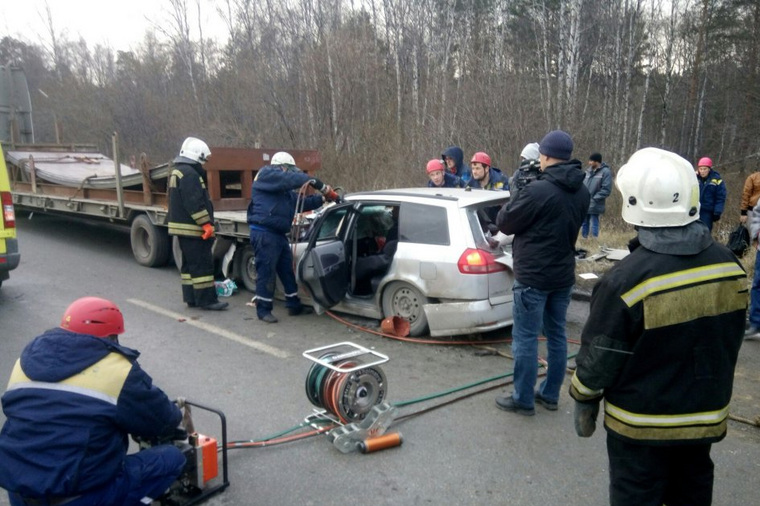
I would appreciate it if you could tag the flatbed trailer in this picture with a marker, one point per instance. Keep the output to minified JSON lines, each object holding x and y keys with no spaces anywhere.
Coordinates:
{"x":139,"y":201}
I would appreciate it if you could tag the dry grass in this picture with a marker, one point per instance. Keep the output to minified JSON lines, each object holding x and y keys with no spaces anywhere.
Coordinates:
{"x":618,"y":238}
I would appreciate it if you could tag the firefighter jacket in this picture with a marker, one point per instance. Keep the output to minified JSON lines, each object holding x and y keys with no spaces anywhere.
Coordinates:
{"x":712,"y":193}
{"x":273,"y":201}
{"x":662,"y":338}
{"x":750,"y":193}
{"x":190,"y":206}
{"x":545,"y":217}
{"x":72,"y":400}
{"x":496,"y":181}
{"x":449,"y":181}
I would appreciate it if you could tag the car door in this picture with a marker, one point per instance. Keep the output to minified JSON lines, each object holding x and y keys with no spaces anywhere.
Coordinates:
{"x":323,"y":267}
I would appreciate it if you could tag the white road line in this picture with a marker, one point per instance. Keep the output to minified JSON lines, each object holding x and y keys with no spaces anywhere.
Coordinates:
{"x":271,"y":350}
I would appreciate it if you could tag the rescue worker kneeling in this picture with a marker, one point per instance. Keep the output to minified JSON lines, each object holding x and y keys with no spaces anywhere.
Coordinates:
{"x":73,"y":398}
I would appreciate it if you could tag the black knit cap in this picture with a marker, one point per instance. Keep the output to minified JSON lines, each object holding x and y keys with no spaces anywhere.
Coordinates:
{"x":595,"y":157}
{"x":556,"y":144}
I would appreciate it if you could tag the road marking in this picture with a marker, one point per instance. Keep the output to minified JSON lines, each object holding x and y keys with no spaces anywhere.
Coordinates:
{"x":271,"y":350}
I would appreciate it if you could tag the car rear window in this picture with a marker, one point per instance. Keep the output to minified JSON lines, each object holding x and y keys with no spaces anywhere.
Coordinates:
{"x":423,"y":224}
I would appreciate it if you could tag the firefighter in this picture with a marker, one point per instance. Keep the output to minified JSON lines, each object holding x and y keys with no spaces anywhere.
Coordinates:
{"x":484,"y":176}
{"x":73,"y":398}
{"x":270,"y":216}
{"x":661,"y":341}
{"x":191,"y":219}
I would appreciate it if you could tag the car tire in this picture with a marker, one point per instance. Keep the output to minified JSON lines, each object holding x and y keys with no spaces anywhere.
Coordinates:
{"x":404,"y":300}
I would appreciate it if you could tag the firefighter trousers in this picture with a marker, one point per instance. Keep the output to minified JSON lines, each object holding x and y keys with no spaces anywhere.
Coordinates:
{"x":197,"y":272}
{"x":645,"y":475}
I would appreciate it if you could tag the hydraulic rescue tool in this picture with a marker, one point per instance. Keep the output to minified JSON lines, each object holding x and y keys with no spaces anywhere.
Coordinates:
{"x":347,"y":384}
{"x":200,"y":477}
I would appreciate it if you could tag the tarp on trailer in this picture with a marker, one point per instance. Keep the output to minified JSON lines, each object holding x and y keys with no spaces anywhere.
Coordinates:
{"x":79,"y":169}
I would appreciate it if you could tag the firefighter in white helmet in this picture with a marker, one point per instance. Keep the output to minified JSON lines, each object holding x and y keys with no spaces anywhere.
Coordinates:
{"x":191,"y":219}
{"x":661,"y":341}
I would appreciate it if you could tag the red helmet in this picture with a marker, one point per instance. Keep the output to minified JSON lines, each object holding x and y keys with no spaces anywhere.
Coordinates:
{"x":704,"y":162}
{"x":434,"y":165}
{"x":94,"y":316}
{"x":481,"y":157}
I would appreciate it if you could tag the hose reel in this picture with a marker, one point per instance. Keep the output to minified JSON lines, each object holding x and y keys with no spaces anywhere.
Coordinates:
{"x":348,"y":387}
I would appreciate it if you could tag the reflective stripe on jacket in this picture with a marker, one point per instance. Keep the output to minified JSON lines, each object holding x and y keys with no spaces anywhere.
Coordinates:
{"x":661,"y":345}
{"x":190,"y":206}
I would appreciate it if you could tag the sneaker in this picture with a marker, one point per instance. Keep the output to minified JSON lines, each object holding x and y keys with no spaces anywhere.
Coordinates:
{"x":752,"y":332}
{"x":547,"y":404}
{"x":507,"y":403}
{"x":300,"y":310}
{"x":269,"y":318}
{"x":216,"y":306}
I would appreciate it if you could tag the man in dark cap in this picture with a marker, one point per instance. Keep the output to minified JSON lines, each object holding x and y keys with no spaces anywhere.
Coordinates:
{"x":598,"y":180}
{"x":545,"y":218}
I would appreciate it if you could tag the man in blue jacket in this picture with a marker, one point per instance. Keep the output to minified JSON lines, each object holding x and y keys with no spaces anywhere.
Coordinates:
{"x":453,"y":158}
{"x":712,"y":192}
{"x":73,"y":398}
{"x":270,"y":217}
{"x":598,"y":180}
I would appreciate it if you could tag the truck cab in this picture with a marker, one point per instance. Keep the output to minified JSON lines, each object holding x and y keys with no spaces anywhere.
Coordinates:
{"x":9,"y":254}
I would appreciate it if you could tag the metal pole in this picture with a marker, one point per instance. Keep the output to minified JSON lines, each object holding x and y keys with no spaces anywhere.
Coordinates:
{"x":117,"y":173}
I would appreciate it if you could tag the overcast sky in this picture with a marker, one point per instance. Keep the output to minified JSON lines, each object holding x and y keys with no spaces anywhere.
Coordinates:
{"x":119,"y":23}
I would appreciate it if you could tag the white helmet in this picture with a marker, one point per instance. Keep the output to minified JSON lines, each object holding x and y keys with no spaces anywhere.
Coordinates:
{"x":659,"y":189}
{"x":530,"y":151}
{"x":195,"y":150}
{"x":282,"y":158}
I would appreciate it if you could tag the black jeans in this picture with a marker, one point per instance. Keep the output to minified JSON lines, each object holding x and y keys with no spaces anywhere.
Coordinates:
{"x":642,"y":475}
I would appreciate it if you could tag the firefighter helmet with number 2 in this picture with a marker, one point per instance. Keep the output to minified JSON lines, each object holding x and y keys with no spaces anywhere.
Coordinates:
{"x":659,"y":189}
{"x":94,"y":316}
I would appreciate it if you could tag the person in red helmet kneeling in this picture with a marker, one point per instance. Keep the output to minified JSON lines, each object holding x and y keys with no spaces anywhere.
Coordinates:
{"x":73,"y":398}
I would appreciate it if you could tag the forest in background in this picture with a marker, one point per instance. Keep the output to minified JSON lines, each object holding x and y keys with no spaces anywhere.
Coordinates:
{"x":381,"y":86}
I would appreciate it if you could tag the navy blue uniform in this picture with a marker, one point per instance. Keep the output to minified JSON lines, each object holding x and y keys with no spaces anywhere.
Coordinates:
{"x":72,"y":401}
{"x":270,"y":216}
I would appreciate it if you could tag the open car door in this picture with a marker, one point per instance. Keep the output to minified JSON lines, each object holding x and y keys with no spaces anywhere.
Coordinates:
{"x":323,"y":266}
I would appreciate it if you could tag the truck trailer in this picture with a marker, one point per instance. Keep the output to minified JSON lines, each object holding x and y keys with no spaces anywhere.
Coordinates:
{"x":76,"y":180}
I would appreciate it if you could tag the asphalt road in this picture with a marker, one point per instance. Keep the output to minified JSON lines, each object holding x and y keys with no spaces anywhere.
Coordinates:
{"x":467,"y":452}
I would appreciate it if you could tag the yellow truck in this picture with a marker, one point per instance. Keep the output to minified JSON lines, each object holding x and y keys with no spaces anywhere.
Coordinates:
{"x":9,"y":255}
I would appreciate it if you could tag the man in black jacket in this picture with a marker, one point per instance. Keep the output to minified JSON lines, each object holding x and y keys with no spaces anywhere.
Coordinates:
{"x":545,"y":218}
{"x":661,"y":341}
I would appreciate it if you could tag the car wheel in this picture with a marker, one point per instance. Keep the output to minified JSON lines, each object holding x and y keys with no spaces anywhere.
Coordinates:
{"x":404,"y":300}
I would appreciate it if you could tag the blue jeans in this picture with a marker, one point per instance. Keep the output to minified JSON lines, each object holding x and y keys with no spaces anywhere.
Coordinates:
{"x":754,"y":298}
{"x":591,"y":220}
{"x":147,"y":473}
{"x":536,"y":310}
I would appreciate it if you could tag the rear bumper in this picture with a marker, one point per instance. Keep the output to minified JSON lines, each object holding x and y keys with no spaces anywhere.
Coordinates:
{"x":456,"y":318}
{"x":10,"y":259}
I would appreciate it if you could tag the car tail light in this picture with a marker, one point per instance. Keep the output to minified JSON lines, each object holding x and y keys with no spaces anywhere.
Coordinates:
{"x":9,"y":217}
{"x":478,"y":261}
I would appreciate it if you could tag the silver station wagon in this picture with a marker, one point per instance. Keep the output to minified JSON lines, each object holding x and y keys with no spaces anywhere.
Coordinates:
{"x":425,"y":254}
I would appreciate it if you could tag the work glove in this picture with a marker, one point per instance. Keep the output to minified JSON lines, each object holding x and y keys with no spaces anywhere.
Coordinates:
{"x":585,"y":418}
{"x":317,"y":185}
{"x":716,"y":217}
{"x":208,"y":231}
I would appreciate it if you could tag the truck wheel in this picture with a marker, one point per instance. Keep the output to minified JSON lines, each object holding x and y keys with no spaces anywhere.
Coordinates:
{"x":150,"y":243}
{"x":404,"y":300}
{"x":176,"y":253}
{"x":244,"y":267}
